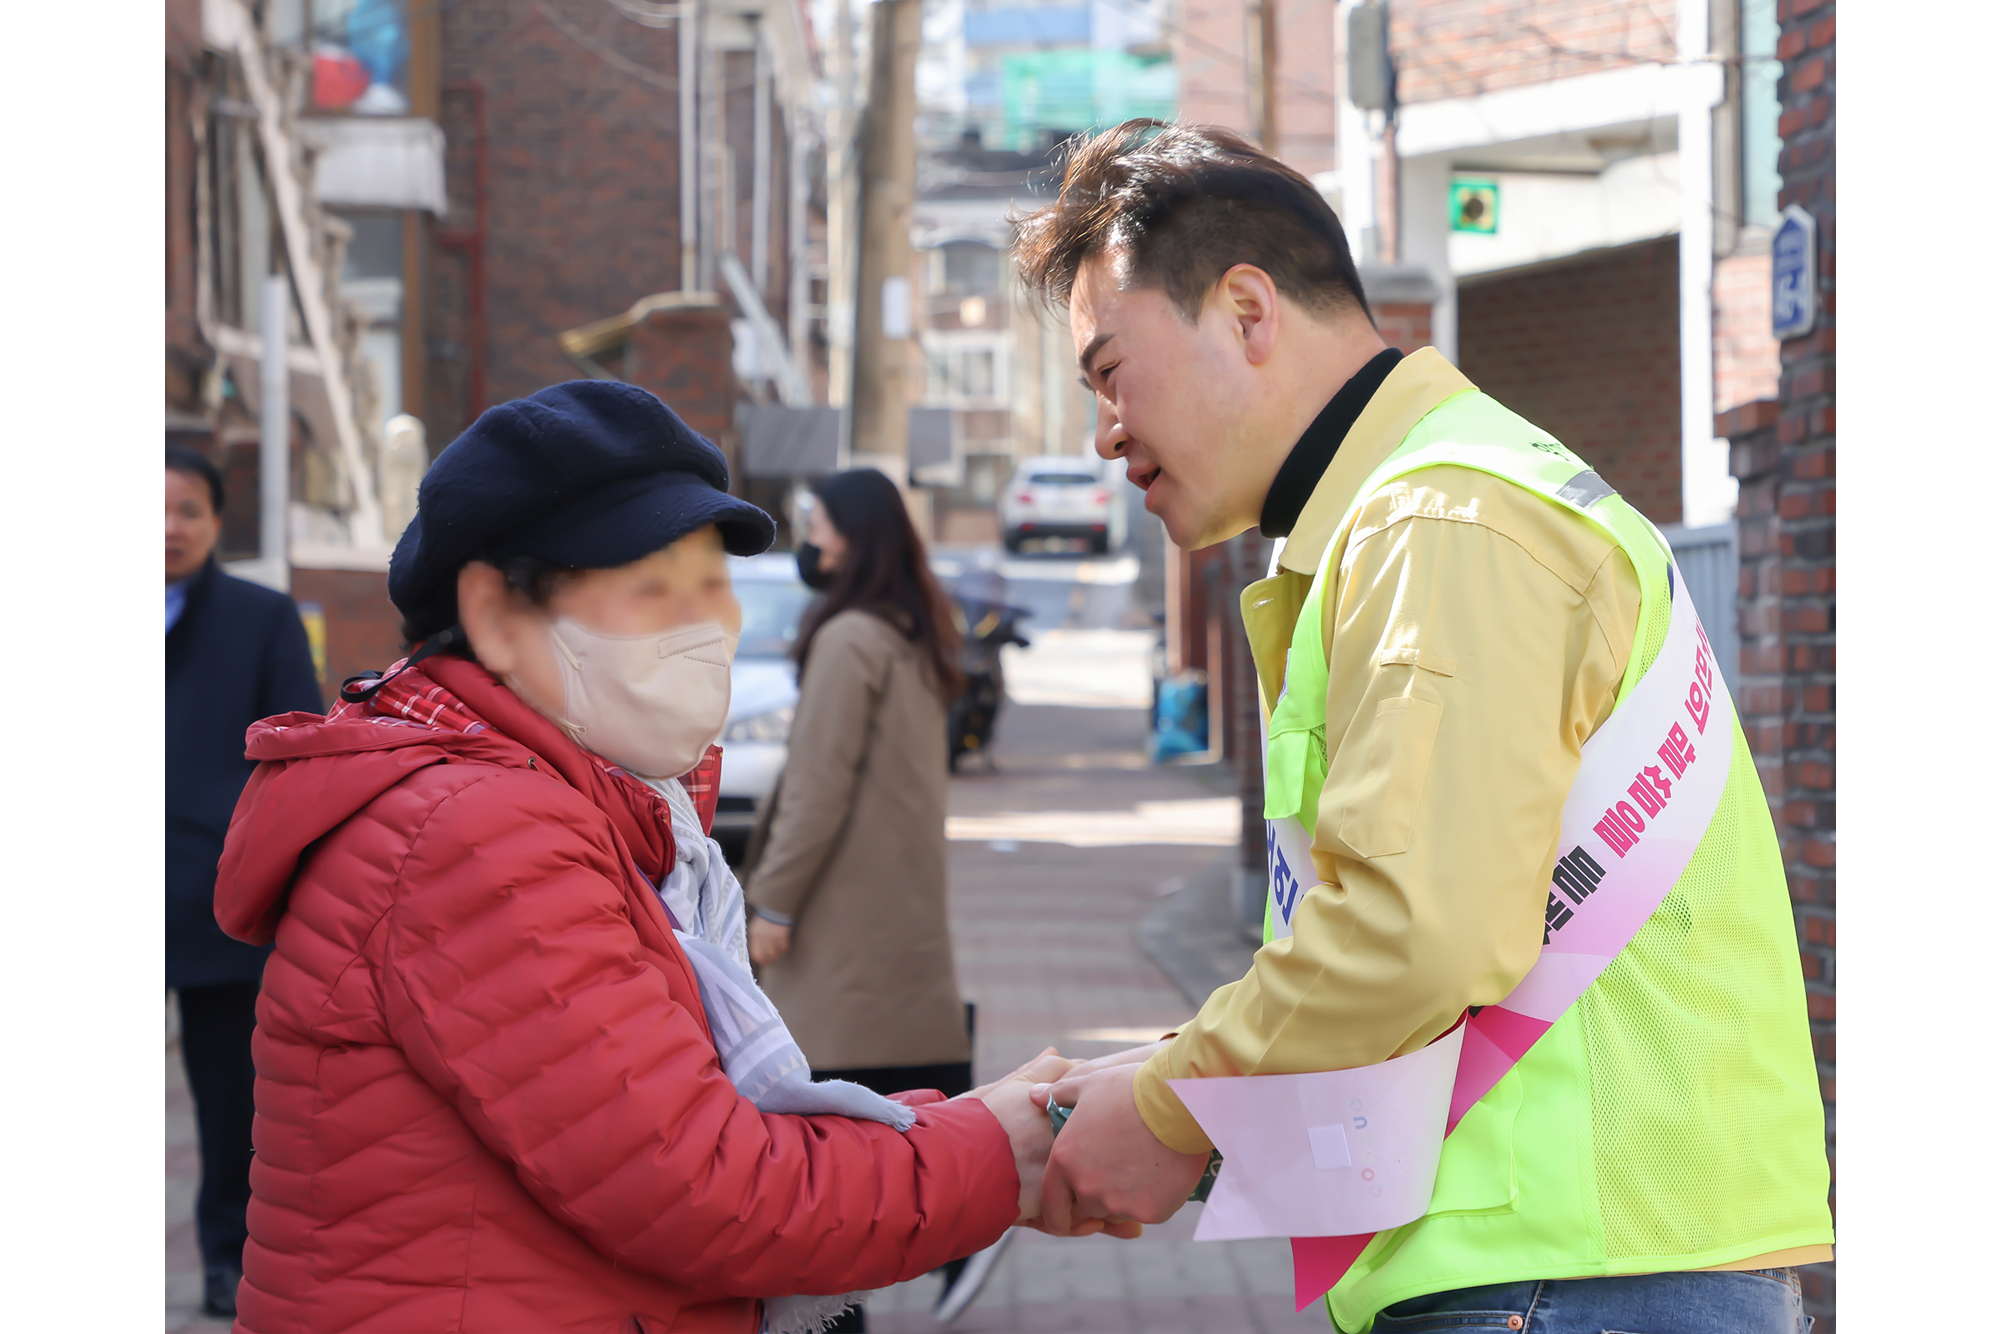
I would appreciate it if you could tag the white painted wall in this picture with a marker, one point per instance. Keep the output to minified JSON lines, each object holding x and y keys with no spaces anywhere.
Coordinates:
{"x":1426,"y":185}
{"x":1708,"y":492}
{"x":1544,"y":216}
{"x":1538,"y":110}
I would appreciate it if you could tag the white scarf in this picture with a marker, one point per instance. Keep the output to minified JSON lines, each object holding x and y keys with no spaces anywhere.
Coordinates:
{"x":755,"y":1048}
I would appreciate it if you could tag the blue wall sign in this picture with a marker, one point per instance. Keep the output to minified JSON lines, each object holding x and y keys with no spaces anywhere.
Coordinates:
{"x":1794,"y":274}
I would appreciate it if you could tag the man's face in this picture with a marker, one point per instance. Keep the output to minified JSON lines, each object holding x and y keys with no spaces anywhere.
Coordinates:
{"x":1173,"y":395}
{"x":193,"y":526}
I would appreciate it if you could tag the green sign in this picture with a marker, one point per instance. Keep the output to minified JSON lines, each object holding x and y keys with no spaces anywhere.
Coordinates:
{"x":1475,"y":205}
{"x":1082,"y":89}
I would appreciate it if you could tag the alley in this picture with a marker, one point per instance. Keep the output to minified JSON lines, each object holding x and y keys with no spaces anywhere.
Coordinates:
{"x":1047,"y":948}
{"x":1061,"y":848}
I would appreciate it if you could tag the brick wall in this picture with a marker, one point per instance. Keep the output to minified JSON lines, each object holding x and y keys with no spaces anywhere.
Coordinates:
{"x":580,"y":118}
{"x":1211,"y":63}
{"x":1782,"y":453}
{"x":683,"y":356}
{"x":582,"y":181}
{"x":1458,"y":48}
{"x":1589,"y":349}
{"x":188,"y":354}
{"x":1405,"y":326}
{"x":1746,"y":356}
{"x":363,"y":629}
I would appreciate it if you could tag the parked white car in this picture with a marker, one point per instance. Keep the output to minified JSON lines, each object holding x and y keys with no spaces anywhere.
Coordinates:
{"x":763,"y":692}
{"x":1057,"y":497}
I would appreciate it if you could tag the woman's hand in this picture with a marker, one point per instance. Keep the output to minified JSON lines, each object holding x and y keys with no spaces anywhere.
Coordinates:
{"x":1029,"y":1133}
{"x":1027,"y":1125}
{"x":768,"y":941}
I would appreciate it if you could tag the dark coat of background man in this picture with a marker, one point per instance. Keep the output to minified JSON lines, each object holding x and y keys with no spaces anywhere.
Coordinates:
{"x":236,"y":652}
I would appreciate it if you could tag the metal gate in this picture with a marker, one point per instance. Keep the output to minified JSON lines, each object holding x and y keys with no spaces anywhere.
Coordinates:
{"x":1709,"y":562}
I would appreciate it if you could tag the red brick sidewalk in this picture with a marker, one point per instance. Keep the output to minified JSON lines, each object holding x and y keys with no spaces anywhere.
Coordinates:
{"x":1047,"y":948}
{"x":183,"y":1176}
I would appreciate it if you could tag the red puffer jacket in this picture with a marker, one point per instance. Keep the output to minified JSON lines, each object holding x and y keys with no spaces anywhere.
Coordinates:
{"x":487,"y":1099}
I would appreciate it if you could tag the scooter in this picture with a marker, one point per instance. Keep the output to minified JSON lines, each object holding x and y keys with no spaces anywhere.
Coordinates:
{"x":987,"y":624}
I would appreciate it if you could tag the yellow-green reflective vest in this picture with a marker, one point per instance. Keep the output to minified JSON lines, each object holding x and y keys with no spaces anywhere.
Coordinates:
{"x":1671,"y":1119}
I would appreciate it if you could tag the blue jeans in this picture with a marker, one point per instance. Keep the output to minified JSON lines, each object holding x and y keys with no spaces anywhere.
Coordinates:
{"x":1749,"y":1301}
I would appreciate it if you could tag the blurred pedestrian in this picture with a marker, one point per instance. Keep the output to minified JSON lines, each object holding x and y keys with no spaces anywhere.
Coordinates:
{"x":848,"y":888}
{"x":512,"y":1071}
{"x":236,"y":652}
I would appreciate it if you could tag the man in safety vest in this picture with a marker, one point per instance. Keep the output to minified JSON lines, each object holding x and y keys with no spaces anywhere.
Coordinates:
{"x":1458,"y":606}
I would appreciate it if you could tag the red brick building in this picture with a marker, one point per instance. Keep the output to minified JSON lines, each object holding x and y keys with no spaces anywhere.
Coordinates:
{"x":1589,"y":349}
{"x":565,"y":152}
{"x":1782,"y":453}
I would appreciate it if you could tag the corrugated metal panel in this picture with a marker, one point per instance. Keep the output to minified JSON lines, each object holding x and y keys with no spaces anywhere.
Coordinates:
{"x":1709,"y":563}
{"x":805,"y":442}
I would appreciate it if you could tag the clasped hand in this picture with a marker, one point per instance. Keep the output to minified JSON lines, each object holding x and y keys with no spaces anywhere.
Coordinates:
{"x":1108,"y":1172}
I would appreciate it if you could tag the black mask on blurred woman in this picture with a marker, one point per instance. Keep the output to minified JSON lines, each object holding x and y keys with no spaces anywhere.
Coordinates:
{"x":812,"y":570}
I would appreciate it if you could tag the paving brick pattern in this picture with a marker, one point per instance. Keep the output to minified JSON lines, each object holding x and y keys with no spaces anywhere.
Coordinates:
{"x":183,"y":1176}
{"x":1047,"y":948}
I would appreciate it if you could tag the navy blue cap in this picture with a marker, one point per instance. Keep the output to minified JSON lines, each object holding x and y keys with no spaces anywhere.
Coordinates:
{"x":590,"y":474}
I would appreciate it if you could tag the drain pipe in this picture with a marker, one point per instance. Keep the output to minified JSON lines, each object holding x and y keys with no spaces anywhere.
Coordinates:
{"x":274,"y":436}
{"x":473,"y":243}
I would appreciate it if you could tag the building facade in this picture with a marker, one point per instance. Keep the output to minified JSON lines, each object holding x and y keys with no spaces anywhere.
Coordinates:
{"x":467,"y":203}
{"x":1782,"y":453}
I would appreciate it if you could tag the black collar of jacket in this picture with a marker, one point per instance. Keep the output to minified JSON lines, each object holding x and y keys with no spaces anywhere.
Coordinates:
{"x":1310,"y":457}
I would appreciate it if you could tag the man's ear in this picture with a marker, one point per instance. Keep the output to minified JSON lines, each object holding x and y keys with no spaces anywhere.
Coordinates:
{"x":1251,"y":300}
{"x":482,"y":611}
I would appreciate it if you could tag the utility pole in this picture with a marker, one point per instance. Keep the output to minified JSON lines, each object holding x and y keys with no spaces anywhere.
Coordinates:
{"x":760,"y":178}
{"x":1232,"y":682}
{"x":883,"y":324}
{"x":687,"y":41}
{"x":1264,"y":73}
{"x":1371,"y":86}
{"x":842,"y":254}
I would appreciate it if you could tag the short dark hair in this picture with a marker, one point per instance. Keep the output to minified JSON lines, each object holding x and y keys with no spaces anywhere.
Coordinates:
{"x":1186,"y":203}
{"x":184,"y":460}
{"x":531,"y":576}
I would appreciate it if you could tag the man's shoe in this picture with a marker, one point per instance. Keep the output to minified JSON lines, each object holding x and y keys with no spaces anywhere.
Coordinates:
{"x":962,"y":1286}
{"x":218,"y":1290}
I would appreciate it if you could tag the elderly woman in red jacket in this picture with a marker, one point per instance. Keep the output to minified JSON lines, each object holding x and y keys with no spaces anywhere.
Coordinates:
{"x":488,"y":1089}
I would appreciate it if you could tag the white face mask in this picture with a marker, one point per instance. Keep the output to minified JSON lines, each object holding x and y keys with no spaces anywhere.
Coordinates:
{"x":651,"y":704}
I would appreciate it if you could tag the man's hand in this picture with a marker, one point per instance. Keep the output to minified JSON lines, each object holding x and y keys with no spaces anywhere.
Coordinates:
{"x":1026,"y":1123}
{"x":1130,"y":1056}
{"x":768,"y":941}
{"x":1108,"y":1165}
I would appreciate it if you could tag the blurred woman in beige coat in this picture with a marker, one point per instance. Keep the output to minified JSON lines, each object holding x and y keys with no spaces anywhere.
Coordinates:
{"x":847,"y":890}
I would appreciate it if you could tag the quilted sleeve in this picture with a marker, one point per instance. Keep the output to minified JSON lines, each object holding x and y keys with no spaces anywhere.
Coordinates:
{"x":513,"y":980}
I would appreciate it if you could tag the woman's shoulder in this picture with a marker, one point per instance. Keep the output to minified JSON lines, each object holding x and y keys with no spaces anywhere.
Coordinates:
{"x":858,"y":627}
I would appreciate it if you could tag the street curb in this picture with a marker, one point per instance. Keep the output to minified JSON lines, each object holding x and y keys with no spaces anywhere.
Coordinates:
{"x":1194,"y":936}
